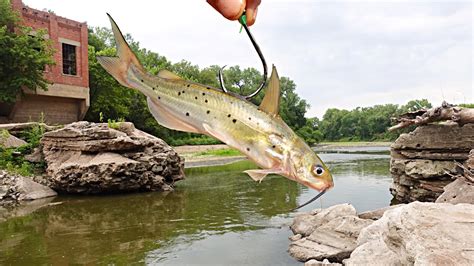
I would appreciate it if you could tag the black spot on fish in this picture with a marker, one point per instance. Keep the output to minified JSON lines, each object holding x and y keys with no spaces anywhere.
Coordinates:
{"x":187,"y":114}
{"x":248,"y":149}
{"x":159,"y":97}
{"x":208,"y":88}
{"x":205,"y":101}
{"x":234,"y":120}
{"x":179,"y":93}
{"x":250,"y":118}
{"x":142,"y":80}
{"x":196,"y":97}
{"x":273,"y":146}
{"x":228,"y":115}
{"x":203,"y":94}
{"x":153,"y":88}
{"x":208,"y":111}
{"x":183,"y":91}
{"x":188,"y":85}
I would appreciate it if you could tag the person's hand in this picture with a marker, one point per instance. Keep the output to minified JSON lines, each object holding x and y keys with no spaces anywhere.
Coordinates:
{"x":233,"y":9}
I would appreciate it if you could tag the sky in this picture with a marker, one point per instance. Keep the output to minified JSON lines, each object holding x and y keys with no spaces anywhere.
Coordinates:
{"x":341,"y":54}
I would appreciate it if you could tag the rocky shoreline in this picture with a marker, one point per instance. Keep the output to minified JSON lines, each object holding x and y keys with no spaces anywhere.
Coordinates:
{"x":433,"y":163}
{"x":415,"y":233}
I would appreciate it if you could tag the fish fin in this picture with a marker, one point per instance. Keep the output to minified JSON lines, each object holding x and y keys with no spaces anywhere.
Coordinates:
{"x":118,"y":66}
{"x":168,"y":120}
{"x":166,"y":74}
{"x":260,"y":174}
{"x":271,"y":101}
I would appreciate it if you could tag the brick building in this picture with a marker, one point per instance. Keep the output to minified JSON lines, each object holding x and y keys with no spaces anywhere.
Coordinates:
{"x":67,"y":99}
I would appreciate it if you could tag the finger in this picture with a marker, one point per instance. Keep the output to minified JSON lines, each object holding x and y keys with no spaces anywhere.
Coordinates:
{"x":230,"y":9}
{"x":251,"y":10}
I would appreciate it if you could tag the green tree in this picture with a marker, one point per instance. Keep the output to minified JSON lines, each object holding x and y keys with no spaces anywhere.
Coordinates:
{"x":23,"y":56}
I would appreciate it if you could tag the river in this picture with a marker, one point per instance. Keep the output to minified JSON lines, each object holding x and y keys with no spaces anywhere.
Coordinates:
{"x":218,"y":215}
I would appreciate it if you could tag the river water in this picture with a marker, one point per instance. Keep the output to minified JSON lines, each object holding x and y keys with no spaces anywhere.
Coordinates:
{"x":218,"y":215}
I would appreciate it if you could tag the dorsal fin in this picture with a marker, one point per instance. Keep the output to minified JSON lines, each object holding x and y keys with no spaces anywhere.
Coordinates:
{"x":168,"y":74}
{"x":271,"y":102}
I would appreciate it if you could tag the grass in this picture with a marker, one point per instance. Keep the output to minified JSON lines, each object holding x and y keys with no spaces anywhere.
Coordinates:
{"x":219,"y":152}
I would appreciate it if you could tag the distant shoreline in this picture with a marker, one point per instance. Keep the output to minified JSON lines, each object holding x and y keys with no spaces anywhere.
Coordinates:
{"x":205,"y":155}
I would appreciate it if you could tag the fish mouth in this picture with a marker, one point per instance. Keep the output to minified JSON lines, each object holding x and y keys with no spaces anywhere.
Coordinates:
{"x":319,"y":186}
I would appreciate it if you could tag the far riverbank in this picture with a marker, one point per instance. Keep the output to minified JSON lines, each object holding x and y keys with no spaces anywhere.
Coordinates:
{"x":220,"y":154}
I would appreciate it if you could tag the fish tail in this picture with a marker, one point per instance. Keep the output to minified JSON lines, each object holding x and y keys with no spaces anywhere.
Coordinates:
{"x":119,"y":66}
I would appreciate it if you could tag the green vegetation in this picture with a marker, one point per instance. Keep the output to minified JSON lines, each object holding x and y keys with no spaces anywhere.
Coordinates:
{"x":219,"y":152}
{"x":467,"y":105}
{"x":365,"y":123}
{"x":24,"y":54}
{"x":13,"y":159}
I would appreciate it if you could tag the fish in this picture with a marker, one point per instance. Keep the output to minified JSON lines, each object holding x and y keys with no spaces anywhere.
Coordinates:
{"x":256,"y":131}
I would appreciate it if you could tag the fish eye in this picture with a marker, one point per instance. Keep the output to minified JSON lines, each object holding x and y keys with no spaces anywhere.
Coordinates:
{"x":318,"y":170}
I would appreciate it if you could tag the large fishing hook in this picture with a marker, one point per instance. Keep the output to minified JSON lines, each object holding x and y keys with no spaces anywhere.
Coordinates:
{"x":243,"y":22}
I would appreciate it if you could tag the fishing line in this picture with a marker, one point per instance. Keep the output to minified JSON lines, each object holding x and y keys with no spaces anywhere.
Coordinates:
{"x":309,"y":201}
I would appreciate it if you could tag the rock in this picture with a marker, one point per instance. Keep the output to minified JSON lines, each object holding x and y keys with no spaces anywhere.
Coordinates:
{"x":319,"y":263}
{"x":334,"y":240}
{"x":424,"y":160}
{"x":418,"y":233}
{"x":305,"y":224}
{"x":330,"y":234}
{"x":35,"y":156}
{"x":16,"y":188}
{"x":437,"y":137}
{"x":9,"y":141}
{"x":89,"y":158}
{"x":3,"y":191}
{"x":30,"y":190}
{"x":470,"y":161}
{"x":459,"y":191}
{"x":376,"y":214}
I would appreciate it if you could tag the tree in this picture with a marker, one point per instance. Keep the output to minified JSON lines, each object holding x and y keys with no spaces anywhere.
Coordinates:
{"x":23,"y":56}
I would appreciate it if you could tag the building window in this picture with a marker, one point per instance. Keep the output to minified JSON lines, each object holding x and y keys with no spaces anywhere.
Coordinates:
{"x":69,"y":59}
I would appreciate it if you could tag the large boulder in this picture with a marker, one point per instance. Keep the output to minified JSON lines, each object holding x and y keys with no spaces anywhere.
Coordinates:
{"x":418,"y":233}
{"x":90,"y":158}
{"x":329,"y":234}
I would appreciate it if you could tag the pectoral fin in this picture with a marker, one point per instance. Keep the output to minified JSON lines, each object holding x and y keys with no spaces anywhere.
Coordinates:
{"x":166,"y":119}
{"x":260,"y":174}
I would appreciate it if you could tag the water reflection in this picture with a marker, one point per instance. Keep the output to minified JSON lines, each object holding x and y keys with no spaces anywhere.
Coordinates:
{"x":215,"y":209}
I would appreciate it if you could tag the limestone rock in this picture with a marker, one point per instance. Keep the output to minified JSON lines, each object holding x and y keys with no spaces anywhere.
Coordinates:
{"x":15,"y":188}
{"x":304,"y":224}
{"x":459,"y":191}
{"x":9,"y":141}
{"x":454,"y":138}
{"x":30,"y":190}
{"x":376,"y":214}
{"x":332,"y":234}
{"x":424,"y":161}
{"x":314,"y":262}
{"x":418,"y":233}
{"x":91,"y":158}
